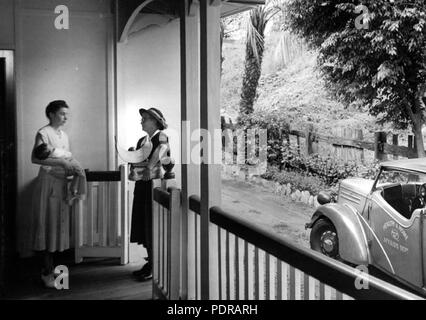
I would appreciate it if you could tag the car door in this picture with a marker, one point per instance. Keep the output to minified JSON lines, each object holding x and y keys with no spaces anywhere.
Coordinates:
{"x":395,"y":241}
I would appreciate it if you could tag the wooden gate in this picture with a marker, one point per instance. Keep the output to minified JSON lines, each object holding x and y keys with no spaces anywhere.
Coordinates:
{"x":102,"y":219}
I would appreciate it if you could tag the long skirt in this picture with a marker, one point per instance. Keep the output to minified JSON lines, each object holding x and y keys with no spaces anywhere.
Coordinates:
{"x":141,"y":228}
{"x":51,"y":214}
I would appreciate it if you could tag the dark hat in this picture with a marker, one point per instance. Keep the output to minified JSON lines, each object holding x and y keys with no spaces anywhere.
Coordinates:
{"x":157,"y":115}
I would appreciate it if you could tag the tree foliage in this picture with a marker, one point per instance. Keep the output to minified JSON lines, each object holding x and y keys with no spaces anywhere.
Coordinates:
{"x":376,"y":55}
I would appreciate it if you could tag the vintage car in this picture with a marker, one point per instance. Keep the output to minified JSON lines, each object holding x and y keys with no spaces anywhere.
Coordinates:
{"x":379,"y":223}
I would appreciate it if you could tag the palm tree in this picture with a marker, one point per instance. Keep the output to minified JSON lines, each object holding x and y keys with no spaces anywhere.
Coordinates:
{"x":256,"y":24}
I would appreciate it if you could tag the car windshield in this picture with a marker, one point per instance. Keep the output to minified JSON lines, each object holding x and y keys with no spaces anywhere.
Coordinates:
{"x":387,"y":177}
{"x":403,"y":191}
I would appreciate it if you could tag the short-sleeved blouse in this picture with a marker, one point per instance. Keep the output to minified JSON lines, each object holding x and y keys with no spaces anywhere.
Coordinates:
{"x":56,"y":139}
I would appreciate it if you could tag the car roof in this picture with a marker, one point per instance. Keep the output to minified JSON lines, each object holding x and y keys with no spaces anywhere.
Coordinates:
{"x":418,"y":165}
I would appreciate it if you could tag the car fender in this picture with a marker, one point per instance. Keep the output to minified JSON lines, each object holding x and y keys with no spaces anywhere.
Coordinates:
{"x":353,"y":245}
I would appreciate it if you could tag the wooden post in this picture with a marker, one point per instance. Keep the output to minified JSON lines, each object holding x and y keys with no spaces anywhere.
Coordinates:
{"x":190,"y":116}
{"x":286,"y":136}
{"x":395,"y":143}
{"x":412,"y":145}
{"x":298,"y":144}
{"x":175,"y":244}
{"x":360,"y":137}
{"x":209,"y":121}
{"x":308,"y":140}
{"x":223,"y":123}
{"x":415,"y":146}
{"x":379,"y":140}
{"x":347,"y":152}
{"x":124,"y":215}
{"x":78,"y":230}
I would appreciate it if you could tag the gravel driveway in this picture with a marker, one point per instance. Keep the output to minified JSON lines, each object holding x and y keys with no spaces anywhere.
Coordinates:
{"x":267,"y":210}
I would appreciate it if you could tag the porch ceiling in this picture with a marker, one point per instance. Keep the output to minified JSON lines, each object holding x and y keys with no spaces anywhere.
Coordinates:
{"x":128,"y":9}
{"x":231,"y":7}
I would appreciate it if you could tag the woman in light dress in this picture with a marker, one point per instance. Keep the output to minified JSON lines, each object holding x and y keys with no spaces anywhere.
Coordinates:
{"x":51,"y":212}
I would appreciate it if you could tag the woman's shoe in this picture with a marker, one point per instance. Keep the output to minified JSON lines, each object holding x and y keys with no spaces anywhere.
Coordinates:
{"x":145,"y":268}
{"x":147,"y":275}
{"x":48,"y":280}
{"x":144,"y":277}
{"x":137,"y":273}
{"x":146,"y":272}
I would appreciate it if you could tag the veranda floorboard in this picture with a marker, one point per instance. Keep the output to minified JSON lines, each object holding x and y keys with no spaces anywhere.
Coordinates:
{"x":94,"y":279}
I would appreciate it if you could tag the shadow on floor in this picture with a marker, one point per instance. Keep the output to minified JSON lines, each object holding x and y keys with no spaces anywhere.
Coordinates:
{"x":93,"y":279}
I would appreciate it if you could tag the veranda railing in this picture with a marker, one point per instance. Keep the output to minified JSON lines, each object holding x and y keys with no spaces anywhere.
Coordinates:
{"x":247,"y":262}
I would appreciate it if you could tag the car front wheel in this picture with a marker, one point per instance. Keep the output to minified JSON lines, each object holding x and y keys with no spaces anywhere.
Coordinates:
{"x":324,"y":238}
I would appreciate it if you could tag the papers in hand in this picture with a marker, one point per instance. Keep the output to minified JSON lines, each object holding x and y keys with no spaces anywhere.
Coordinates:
{"x":136,"y":156}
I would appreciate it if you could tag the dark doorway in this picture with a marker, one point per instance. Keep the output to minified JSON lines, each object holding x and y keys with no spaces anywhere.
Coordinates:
{"x":7,"y":168}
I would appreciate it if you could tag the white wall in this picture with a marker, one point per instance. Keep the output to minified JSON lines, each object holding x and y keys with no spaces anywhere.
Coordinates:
{"x":7,"y":32}
{"x":72,"y":65}
{"x":149,"y":76}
